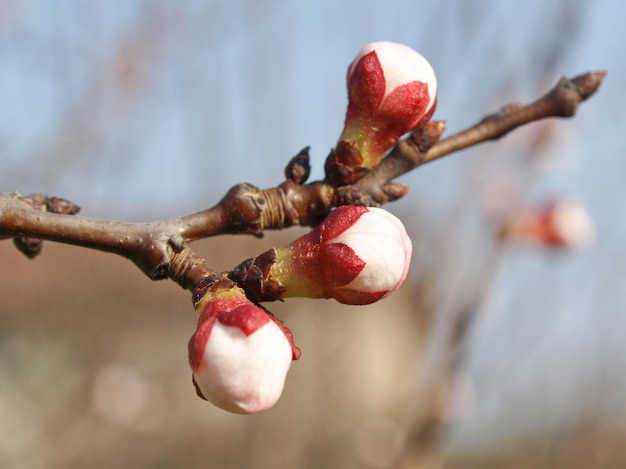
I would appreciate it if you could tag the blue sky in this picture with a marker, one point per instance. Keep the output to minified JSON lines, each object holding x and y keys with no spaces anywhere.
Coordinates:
{"x":217,"y":78}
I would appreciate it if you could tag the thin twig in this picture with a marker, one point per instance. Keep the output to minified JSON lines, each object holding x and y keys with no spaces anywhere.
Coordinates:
{"x":561,"y":101}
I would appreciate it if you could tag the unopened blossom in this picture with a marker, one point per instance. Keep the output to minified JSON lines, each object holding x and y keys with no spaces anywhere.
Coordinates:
{"x":392,"y":89}
{"x":357,"y":255}
{"x":240,"y":353}
{"x":562,"y":223}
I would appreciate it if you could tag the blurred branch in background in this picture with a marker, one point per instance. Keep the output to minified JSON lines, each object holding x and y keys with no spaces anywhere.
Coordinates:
{"x":116,"y":71}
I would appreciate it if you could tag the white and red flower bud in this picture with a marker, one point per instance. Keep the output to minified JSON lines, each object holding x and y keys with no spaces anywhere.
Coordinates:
{"x":240,"y":353}
{"x":562,"y":223}
{"x":392,"y":90}
{"x":357,"y":255}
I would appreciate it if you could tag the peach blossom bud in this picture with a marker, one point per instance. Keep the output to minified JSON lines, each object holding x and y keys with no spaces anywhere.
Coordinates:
{"x":391,"y":91}
{"x":358,"y":255}
{"x":240,"y":353}
{"x":562,"y":223}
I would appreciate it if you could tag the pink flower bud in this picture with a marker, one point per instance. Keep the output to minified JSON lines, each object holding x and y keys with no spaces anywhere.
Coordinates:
{"x":358,"y":255}
{"x":240,"y":353}
{"x":562,"y":223}
{"x":391,"y":90}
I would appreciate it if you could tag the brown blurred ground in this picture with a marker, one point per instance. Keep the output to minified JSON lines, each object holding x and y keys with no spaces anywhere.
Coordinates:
{"x":93,"y":372}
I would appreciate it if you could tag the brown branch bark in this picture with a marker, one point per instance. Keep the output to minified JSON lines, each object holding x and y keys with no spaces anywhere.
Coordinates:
{"x":160,"y":249}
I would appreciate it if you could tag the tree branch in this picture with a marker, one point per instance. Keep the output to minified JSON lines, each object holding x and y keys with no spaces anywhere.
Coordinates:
{"x":422,"y":146}
{"x":160,"y":248}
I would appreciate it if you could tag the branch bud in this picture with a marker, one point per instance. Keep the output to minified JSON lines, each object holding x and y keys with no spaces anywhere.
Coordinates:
{"x":392,"y":90}
{"x":562,"y":223}
{"x":357,"y":255}
{"x":240,"y":353}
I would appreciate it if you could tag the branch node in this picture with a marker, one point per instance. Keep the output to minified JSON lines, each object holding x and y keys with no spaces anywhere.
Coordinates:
{"x":186,"y":268}
{"x":243,"y":206}
{"x":273,"y":215}
{"x":254,"y":276}
{"x":177,"y":242}
{"x":589,"y":83}
{"x":395,"y":191}
{"x":355,"y":194}
{"x":299,"y":167}
{"x":427,"y":135}
{"x":31,"y":247}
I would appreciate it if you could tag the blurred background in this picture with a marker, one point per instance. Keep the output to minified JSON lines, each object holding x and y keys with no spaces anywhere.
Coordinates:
{"x":491,"y":355}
